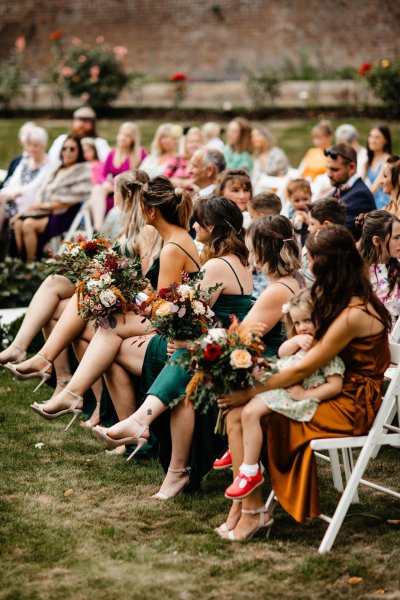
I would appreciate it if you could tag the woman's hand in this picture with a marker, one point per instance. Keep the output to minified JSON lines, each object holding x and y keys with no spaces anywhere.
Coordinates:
{"x":177,"y":344}
{"x":235,"y":399}
{"x":296,"y":392}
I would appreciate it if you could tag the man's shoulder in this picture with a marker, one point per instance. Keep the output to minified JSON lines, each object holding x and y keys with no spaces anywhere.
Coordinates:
{"x":359,"y":190}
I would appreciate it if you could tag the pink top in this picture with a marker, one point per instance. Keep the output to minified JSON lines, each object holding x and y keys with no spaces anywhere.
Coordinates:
{"x":110,"y":171}
{"x":177,"y":166}
{"x":97,"y":171}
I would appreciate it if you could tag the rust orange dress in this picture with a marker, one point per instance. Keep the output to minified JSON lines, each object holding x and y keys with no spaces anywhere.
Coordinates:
{"x":288,"y":455}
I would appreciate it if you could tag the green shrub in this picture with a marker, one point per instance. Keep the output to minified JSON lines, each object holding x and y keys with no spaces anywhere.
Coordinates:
{"x":92,"y":72}
{"x":18,"y":282}
{"x":384,"y":79}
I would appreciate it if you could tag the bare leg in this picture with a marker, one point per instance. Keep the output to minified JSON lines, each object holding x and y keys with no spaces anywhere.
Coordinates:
{"x":31,"y":228}
{"x":98,"y":357}
{"x":244,"y":524}
{"x":182,"y":427}
{"x":252,"y":414}
{"x":17,"y":228}
{"x":117,"y":381}
{"x":68,"y":327}
{"x":42,"y":309}
{"x":80,"y":346}
{"x":97,"y":205}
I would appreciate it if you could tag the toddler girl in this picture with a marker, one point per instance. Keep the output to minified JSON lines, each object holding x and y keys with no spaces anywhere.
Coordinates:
{"x":299,"y":402}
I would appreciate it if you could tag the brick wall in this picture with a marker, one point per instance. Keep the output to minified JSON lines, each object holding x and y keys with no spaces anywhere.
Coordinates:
{"x":210,"y":38}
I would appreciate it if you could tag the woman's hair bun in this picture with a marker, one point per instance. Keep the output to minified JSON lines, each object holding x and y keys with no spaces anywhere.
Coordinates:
{"x":360,"y":220}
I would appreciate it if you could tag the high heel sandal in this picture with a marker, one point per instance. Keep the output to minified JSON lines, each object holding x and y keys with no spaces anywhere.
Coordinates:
{"x":163,"y":496}
{"x":19,"y":359}
{"x":262,"y":525}
{"x":88,"y":423}
{"x":41,"y":410}
{"x":136,"y":440}
{"x":43,"y":373}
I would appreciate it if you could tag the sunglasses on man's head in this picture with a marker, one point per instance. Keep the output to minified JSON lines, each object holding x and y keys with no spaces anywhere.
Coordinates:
{"x":334,"y":154}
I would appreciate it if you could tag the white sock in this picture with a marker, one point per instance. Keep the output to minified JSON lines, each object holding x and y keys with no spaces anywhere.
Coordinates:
{"x":249,"y":470}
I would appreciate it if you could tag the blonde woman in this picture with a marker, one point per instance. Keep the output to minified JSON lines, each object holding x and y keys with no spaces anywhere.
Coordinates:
{"x":163,"y":147}
{"x":128,"y":154}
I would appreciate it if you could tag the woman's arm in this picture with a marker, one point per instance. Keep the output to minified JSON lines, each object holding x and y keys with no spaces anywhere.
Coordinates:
{"x":268,"y":307}
{"x":350,"y":324}
{"x":325,"y":391}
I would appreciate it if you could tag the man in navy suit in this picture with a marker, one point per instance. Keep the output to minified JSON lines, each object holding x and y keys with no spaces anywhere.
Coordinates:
{"x":341,"y":168}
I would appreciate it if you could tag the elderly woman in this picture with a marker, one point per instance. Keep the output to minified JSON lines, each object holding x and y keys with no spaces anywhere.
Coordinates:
{"x":57,"y":203}
{"x":19,"y":191}
{"x":267,"y":157}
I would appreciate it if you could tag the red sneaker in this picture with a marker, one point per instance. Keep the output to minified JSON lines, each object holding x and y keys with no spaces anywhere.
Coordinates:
{"x":225,"y":462}
{"x":243,"y":485}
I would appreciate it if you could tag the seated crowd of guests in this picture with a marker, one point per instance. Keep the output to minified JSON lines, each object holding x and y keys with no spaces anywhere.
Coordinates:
{"x":314,"y":272}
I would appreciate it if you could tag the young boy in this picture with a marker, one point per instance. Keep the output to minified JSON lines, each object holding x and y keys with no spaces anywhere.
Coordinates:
{"x":323,"y":212}
{"x":299,"y":197}
{"x":265,"y":204}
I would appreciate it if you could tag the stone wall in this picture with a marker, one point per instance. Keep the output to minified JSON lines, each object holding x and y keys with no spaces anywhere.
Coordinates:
{"x":209,"y":38}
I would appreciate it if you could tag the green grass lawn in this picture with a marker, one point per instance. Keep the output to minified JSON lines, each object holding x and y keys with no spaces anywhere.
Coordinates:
{"x":78,"y":524}
{"x":292,"y":135}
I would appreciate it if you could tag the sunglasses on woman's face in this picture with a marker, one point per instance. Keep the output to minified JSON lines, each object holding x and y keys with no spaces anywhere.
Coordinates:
{"x":69,"y":149}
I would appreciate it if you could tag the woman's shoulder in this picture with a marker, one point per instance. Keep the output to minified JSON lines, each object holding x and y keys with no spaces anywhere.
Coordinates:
{"x":361,"y":317}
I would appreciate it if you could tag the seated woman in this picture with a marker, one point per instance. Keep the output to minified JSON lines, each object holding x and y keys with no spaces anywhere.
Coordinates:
{"x":20,"y":190}
{"x":379,"y":149}
{"x":379,"y":246}
{"x":238,"y":149}
{"x":391,"y":184}
{"x":128,"y":154}
{"x":52,"y":296}
{"x":235,"y":184}
{"x":178,"y":167}
{"x":314,"y":161}
{"x":274,"y":247}
{"x":268,"y":159}
{"x":58,"y":201}
{"x":92,"y":158}
{"x":163,"y":147}
{"x":168,"y":210}
{"x":350,"y":321}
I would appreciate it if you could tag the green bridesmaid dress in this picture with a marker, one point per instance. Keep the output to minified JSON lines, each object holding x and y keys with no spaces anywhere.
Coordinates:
{"x":169,"y":381}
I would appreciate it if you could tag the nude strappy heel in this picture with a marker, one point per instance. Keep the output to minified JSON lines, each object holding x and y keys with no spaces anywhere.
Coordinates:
{"x":74,"y":410}
{"x":262,"y":526}
{"x":136,"y":440}
{"x":162,"y":496}
{"x":43,"y":373}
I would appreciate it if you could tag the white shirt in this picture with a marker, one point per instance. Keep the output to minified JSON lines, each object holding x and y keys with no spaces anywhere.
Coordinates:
{"x":207,"y":191}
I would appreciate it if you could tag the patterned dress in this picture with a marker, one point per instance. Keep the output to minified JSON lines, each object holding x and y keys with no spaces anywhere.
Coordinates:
{"x":378,"y":275}
{"x":300,"y":410}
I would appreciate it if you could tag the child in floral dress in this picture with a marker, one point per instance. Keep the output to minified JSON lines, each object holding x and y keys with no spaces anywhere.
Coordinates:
{"x":299,"y":402}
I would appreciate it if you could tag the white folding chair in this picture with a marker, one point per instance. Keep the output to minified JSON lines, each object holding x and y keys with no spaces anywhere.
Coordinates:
{"x":382,"y":433}
{"x":82,"y":216}
{"x":274,"y":184}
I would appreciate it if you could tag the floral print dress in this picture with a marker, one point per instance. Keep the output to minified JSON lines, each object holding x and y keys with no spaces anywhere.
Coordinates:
{"x":378,"y":275}
{"x":300,"y":410}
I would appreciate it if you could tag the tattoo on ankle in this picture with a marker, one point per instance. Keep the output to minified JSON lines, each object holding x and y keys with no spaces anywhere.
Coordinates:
{"x":149,"y":412}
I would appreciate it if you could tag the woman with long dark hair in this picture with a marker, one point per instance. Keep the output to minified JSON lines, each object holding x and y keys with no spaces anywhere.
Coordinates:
{"x":350,"y":321}
{"x":379,"y":246}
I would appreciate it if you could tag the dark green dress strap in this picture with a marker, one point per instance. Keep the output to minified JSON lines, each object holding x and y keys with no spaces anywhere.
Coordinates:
{"x":187,"y":253}
{"x":275,"y":337}
{"x":234,"y":272}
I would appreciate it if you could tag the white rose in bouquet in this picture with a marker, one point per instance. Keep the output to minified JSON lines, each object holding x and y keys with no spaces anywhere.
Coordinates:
{"x":108,"y":298}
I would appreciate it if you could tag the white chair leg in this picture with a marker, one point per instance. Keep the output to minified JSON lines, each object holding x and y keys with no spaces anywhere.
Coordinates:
{"x":348,"y":464}
{"x":271,"y":503}
{"x":336,"y":472}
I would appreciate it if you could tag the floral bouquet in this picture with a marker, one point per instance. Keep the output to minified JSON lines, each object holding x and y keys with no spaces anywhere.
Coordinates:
{"x":181,"y":312}
{"x":223,"y":361}
{"x":76,"y":256}
{"x":109,"y":286}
